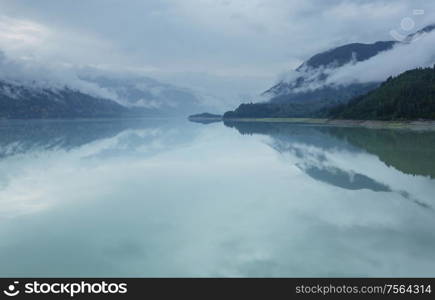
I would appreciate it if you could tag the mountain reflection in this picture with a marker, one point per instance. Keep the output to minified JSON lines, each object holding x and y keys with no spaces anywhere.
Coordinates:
{"x":406,"y":151}
{"x":346,"y":180}
{"x":410,"y":152}
{"x":21,"y":137}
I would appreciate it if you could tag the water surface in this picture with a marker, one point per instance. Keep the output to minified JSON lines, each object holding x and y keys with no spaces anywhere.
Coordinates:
{"x":172,"y":198}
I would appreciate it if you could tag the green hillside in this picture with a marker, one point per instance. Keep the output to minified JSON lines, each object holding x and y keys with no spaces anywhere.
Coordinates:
{"x":409,"y":96}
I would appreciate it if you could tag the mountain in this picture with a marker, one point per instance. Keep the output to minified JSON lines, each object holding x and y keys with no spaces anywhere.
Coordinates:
{"x":18,"y":101}
{"x":123,"y":96}
{"x":29,"y":89}
{"x":410,"y":95}
{"x":312,"y":71}
{"x":308,"y":92}
{"x":148,"y":96}
{"x":340,"y":56}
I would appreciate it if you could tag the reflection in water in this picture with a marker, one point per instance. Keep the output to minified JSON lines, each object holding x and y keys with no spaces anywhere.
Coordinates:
{"x":410,"y":152}
{"x":24,"y":136}
{"x":346,"y":180}
{"x":173,"y":198}
{"x":205,"y":121}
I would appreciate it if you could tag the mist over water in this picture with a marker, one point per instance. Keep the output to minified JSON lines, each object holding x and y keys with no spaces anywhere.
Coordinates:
{"x":165,"y":197}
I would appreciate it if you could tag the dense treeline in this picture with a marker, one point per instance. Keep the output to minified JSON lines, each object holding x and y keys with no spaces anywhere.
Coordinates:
{"x":280,"y":110}
{"x":311,"y":103}
{"x":409,"y":96}
{"x":267,"y":110}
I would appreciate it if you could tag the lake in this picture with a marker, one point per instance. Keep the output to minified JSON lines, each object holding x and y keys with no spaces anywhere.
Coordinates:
{"x":167,"y":197}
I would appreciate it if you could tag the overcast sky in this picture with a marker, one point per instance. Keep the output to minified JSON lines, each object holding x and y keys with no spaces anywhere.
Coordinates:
{"x":217,"y":44}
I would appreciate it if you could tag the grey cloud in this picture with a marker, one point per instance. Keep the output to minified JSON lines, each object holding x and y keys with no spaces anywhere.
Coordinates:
{"x":420,"y":53}
{"x":36,"y":75}
{"x":241,"y":40}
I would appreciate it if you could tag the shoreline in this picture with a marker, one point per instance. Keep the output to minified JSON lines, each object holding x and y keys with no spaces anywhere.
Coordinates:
{"x":413,"y":125}
{"x":204,"y":119}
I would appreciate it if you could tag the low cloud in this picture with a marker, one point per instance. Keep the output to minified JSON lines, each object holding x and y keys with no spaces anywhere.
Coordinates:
{"x":403,"y":57}
{"x":418,"y":53}
{"x":32,"y":74}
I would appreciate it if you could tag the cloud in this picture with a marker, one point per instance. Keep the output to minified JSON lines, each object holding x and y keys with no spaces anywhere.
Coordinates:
{"x":247,"y":42}
{"x":21,"y":33}
{"x":403,"y":57}
{"x":418,"y":53}
{"x":32,"y":74}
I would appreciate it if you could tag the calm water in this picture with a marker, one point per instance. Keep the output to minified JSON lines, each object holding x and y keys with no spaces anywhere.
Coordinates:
{"x":173,"y":198}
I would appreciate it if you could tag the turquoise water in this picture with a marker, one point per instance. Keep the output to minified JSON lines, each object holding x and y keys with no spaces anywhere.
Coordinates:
{"x":172,"y":198}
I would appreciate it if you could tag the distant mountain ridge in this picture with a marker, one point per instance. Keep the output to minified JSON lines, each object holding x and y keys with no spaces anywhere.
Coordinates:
{"x":104,"y":96}
{"x":345,"y":54}
{"x":148,"y":96}
{"x":313,"y":72}
{"x":27,"y":102}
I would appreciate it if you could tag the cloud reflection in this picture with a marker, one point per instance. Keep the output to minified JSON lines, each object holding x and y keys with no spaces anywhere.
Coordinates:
{"x":207,"y":201}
